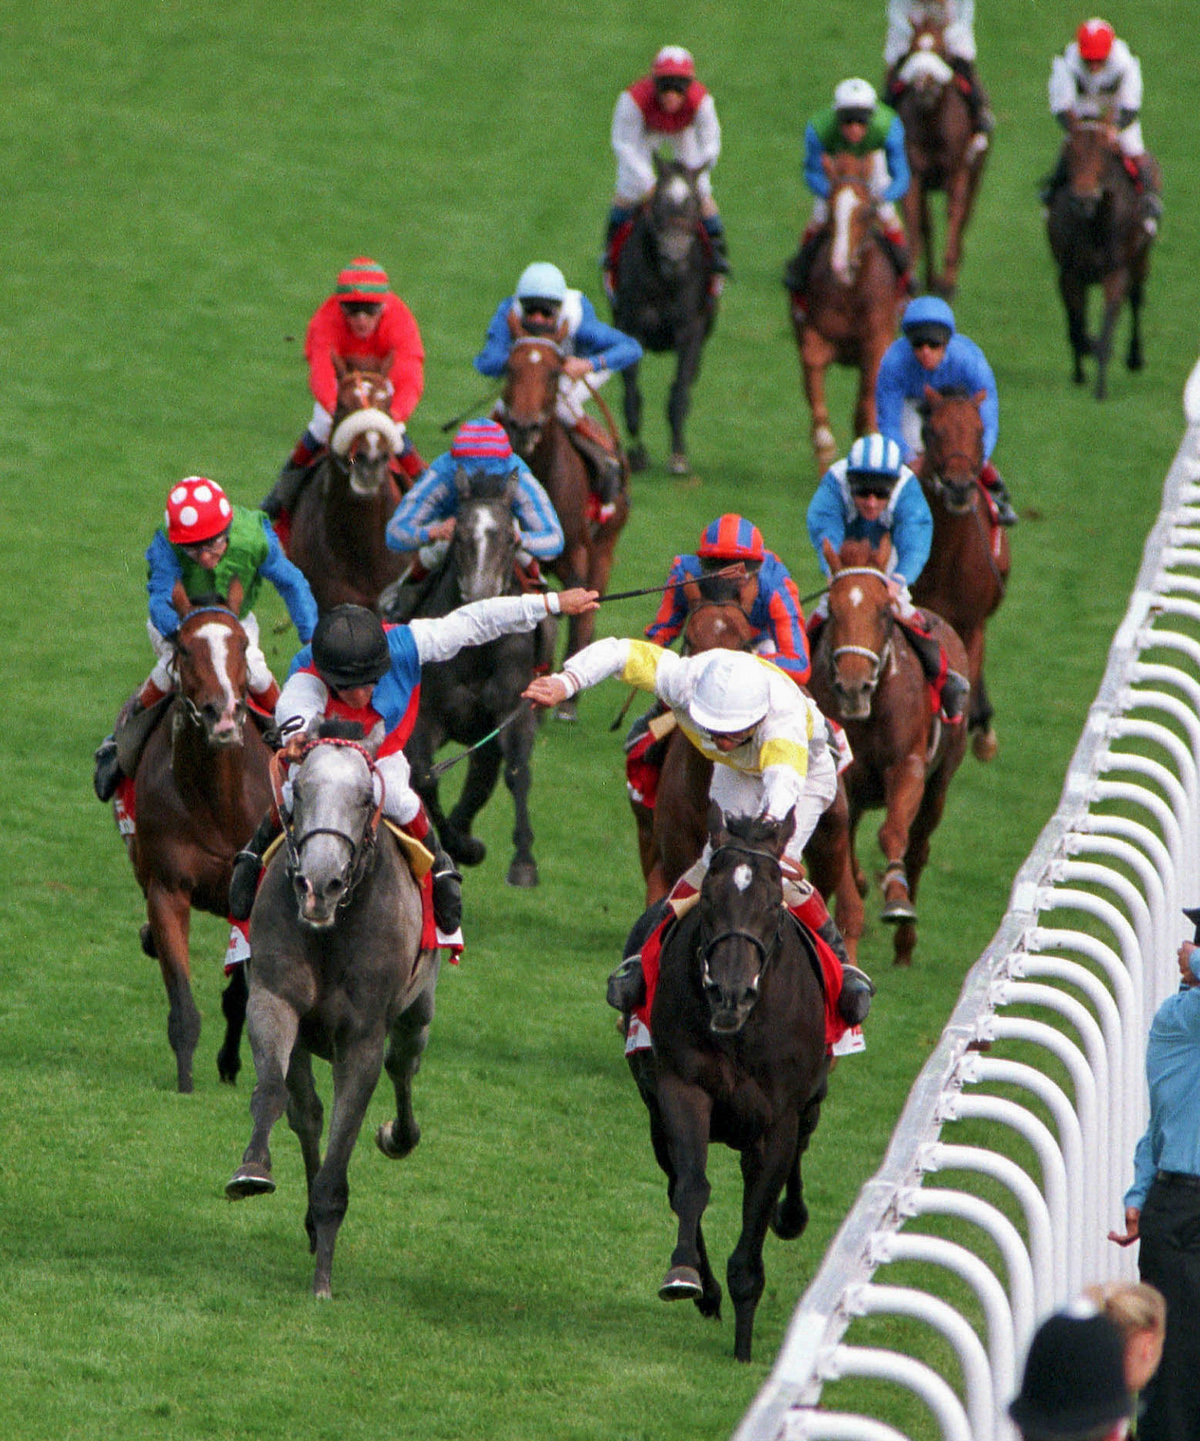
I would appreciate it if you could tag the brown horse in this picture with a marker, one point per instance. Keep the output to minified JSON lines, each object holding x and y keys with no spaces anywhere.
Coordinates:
{"x":341,"y":515}
{"x":848,"y":312}
{"x":1097,"y":238}
{"x":967,"y":571}
{"x":941,"y":156}
{"x":528,"y":403}
{"x":201,"y":788}
{"x":865,"y":672}
{"x":671,"y":835}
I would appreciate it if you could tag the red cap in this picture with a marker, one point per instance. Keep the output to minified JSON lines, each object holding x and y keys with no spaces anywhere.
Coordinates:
{"x":731,"y":537}
{"x":197,"y":510}
{"x":481,"y":440}
{"x":363,"y":280}
{"x":1095,"y":39}
{"x":674,"y":60}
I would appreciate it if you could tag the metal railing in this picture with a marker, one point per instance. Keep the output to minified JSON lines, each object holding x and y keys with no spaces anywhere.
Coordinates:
{"x":1088,"y":942}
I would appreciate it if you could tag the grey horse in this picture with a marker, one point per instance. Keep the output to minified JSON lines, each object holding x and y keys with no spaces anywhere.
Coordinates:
{"x":337,"y":972}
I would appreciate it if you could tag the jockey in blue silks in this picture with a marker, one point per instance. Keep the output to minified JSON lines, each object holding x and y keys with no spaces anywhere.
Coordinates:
{"x":931,"y":352}
{"x":870,"y":494}
{"x":542,"y":305}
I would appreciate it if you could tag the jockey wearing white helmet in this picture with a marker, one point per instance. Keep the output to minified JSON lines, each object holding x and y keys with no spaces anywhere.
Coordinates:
{"x":956,"y":18}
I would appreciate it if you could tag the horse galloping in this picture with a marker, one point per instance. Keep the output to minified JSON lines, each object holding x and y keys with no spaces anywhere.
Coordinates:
{"x":341,"y":515}
{"x":967,"y":571}
{"x":739,"y":1058}
{"x":904,"y":756}
{"x":942,"y":154}
{"x":200,"y":789}
{"x":339,"y":972}
{"x":1097,"y":238}
{"x":847,"y":312}
{"x":465,"y":699}
{"x":664,"y":297}
{"x":538,"y":436}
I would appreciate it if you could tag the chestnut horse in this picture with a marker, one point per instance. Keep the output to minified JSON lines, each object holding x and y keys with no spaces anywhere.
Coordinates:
{"x":867,"y":674}
{"x":538,"y":436}
{"x":967,"y":571}
{"x":671,"y":835}
{"x":341,"y":515}
{"x":847,"y":314}
{"x":1097,"y":238}
{"x":201,"y":788}
{"x":941,"y":156}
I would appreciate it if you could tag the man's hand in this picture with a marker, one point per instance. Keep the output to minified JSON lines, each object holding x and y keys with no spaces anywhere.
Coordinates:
{"x":1132,"y":1217}
{"x":1185,"y":964}
{"x":576,"y":365}
{"x":443,"y":529}
{"x":546,"y":690}
{"x":577,"y":601}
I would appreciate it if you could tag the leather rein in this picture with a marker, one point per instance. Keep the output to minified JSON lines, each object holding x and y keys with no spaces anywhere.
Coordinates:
{"x":765,"y":949}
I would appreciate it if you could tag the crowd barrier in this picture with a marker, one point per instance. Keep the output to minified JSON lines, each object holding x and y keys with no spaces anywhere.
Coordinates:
{"x":1088,"y":940}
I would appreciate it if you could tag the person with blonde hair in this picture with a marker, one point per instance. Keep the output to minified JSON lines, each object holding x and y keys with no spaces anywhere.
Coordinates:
{"x":1139,"y":1312}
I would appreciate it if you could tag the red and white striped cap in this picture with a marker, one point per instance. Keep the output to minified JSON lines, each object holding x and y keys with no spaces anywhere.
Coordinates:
{"x":481,"y":440}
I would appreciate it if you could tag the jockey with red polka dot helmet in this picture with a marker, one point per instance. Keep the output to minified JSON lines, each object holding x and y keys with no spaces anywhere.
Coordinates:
{"x":666,"y":110}
{"x":1097,"y":77}
{"x":755,"y":576}
{"x":362,"y":319}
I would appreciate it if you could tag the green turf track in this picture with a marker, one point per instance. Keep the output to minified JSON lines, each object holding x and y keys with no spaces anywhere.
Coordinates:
{"x":181,"y":182}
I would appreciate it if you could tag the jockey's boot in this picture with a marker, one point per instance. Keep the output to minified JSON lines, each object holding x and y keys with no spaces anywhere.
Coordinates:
{"x":447,"y":879}
{"x":626,"y":989}
{"x":1149,"y":182}
{"x":854,"y":998}
{"x":995,"y":487}
{"x":596,"y":447}
{"x":243,"y":883}
{"x":107,"y":775}
{"x":283,"y":494}
{"x":895,"y":245}
{"x":714,"y":228}
{"x":952,"y":689}
{"x":409,"y":463}
{"x":796,"y":271}
{"x":267,"y":699}
{"x":1055,"y":181}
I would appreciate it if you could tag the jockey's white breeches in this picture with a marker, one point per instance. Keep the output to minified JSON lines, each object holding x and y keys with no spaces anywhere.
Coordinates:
{"x":573,"y":395}
{"x":880,"y":180}
{"x":635,"y":181}
{"x":164,"y":677}
{"x":1131,"y":140}
{"x":738,"y":793}
{"x":321,"y":424}
{"x":400,"y":802}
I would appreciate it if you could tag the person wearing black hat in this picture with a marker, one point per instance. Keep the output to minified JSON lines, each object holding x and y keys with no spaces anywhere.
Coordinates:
{"x":1074,"y":1386}
{"x":1162,"y":1207}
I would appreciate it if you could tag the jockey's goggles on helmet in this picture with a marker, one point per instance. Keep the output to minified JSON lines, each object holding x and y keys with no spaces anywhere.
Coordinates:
{"x":677,"y":83}
{"x":214,"y":542}
{"x":855,"y":116}
{"x":867,"y":483}
{"x":539,"y":305}
{"x":362,"y":307}
{"x":928,"y":333}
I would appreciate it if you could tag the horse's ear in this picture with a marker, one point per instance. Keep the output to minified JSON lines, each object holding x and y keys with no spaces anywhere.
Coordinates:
{"x":827,"y":164}
{"x":787,"y":829}
{"x":462,"y":483}
{"x":515,"y":328}
{"x":979,"y":397}
{"x":385,"y":365}
{"x":932,"y":396}
{"x":882,"y":551}
{"x":340,"y":368}
{"x":831,"y":556}
{"x":560,"y":333}
{"x":717,"y":834}
{"x":512,"y":483}
{"x":374,"y":738}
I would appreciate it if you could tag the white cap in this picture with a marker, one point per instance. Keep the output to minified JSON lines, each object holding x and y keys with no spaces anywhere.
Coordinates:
{"x":855,"y":94}
{"x":732,"y":693}
{"x":542,"y":281}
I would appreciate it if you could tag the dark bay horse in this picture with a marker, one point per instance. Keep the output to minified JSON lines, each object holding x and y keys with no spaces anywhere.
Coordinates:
{"x":1097,"y":238}
{"x":672,"y":833}
{"x":847,"y":314}
{"x":341,"y":515}
{"x":465,"y":698}
{"x":867,"y":674}
{"x":664,"y":298}
{"x":938,"y":142}
{"x":739,"y":1058}
{"x":338,"y":972}
{"x":201,"y":788}
{"x":540,"y":439}
{"x":965,"y":577}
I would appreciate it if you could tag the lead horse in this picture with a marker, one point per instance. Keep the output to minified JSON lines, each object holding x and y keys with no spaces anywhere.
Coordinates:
{"x":340,"y":517}
{"x":867,"y":674}
{"x":966,"y":575}
{"x":200,"y":789}
{"x":739,"y":1058}
{"x":339,"y":972}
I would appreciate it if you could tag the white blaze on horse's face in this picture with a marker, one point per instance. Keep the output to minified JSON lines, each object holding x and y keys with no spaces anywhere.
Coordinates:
{"x":677,"y":191}
{"x":844,"y":205}
{"x":742,"y":876}
{"x":216,"y":636}
{"x":478,"y":579}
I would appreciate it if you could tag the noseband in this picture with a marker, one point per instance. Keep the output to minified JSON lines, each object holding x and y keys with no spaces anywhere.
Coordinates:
{"x":555,"y":370}
{"x":765,"y":949}
{"x":878,"y":658}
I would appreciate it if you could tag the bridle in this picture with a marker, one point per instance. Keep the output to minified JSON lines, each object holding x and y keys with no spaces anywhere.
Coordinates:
{"x":765,"y":949}
{"x":878,"y":658}
{"x":187,"y":707}
{"x":532,"y":428}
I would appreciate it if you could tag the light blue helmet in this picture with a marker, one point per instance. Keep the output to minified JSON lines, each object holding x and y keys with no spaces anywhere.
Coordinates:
{"x":874,"y":455}
{"x":542,"y":281}
{"x":927,"y":310}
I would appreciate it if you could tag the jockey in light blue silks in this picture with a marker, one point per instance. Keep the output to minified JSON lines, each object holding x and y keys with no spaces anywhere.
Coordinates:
{"x":870,"y":494}
{"x":931,"y":352}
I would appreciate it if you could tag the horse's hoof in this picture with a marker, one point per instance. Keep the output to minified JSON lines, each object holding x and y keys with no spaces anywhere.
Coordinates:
{"x":395,"y":1149}
{"x":681,"y":1283}
{"x":567,"y":711}
{"x":637,"y":458}
{"x":678,"y":464}
{"x":523,"y":873}
{"x":227,"y":1071}
{"x":146,"y":940}
{"x":249,"y":1180}
{"x":897,"y":911}
{"x":789,"y":1222}
{"x":984,"y":745}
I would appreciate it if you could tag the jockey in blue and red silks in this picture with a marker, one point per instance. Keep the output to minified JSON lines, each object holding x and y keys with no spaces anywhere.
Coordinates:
{"x":766,"y":592}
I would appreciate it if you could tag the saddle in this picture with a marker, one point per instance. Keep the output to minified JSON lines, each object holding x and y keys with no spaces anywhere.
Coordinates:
{"x":131,"y":733}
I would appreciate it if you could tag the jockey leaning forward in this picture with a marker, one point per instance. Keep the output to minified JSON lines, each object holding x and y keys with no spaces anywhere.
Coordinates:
{"x":206,"y":547}
{"x":424,"y":521}
{"x":767,"y":741}
{"x":362,"y":319}
{"x":957,"y":21}
{"x":856,"y":122}
{"x":367,"y":675}
{"x":668,"y":110}
{"x":866,"y":496}
{"x":543,"y":305}
{"x":930,"y":351}
{"x":1099,"y":78}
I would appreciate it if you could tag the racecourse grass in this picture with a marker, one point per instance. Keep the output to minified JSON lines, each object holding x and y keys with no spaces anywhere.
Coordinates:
{"x":182,"y":182}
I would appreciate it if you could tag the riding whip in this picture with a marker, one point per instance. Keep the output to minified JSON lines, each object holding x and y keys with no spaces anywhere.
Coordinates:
{"x":485,"y":399}
{"x":673,"y":585}
{"x":436,"y":771}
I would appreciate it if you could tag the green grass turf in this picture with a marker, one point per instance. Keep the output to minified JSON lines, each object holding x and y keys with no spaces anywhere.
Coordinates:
{"x":181,"y":184}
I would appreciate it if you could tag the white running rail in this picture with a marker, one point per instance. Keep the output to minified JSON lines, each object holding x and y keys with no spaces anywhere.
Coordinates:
{"x":1082,"y":959}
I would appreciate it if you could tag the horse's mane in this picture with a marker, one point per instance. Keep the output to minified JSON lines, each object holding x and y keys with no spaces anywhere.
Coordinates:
{"x":753,"y":830}
{"x":856,"y":553}
{"x":486,"y":485}
{"x":947,"y":392}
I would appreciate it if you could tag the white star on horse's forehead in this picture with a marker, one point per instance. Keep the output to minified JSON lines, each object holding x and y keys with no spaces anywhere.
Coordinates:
{"x":856,"y":595}
{"x":742,"y":876}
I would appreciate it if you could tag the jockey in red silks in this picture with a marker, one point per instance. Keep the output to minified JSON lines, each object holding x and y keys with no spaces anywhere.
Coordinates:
{"x":361,"y":319}
{"x":669,"y":110}
{"x":768,"y":743}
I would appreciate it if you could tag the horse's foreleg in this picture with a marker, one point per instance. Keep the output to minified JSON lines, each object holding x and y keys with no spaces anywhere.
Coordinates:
{"x":483,"y":770}
{"x":904,"y":783}
{"x":406,"y":1045}
{"x":355,"y":1075}
{"x":958,"y":201}
{"x":925,"y":822}
{"x":233,"y":1008}
{"x":305,"y":1116}
{"x":791,"y":1215}
{"x":169,"y":914}
{"x":686,"y":1113}
{"x":815,"y":355}
{"x":979,"y":721}
{"x":636,"y":453}
{"x":1074,"y":298}
{"x":679,"y":398}
{"x":1137,"y":283}
{"x":574,"y":572}
{"x":1115,"y":285}
{"x":272,"y":1025}
{"x":765,"y":1170}
{"x":517,"y":742}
